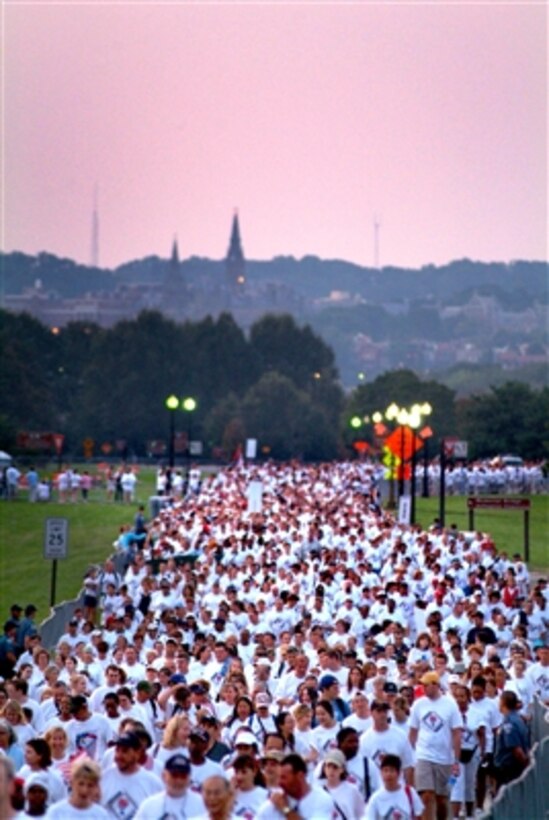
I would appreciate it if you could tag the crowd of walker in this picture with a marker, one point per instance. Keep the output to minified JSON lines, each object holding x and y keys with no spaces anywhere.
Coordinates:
{"x":278,"y":646}
{"x":70,"y":485}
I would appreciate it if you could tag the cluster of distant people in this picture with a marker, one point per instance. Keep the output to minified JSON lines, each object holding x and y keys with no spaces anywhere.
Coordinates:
{"x":274,"y":644}
{"x":487,"y":477}
{"x":69,"y":485}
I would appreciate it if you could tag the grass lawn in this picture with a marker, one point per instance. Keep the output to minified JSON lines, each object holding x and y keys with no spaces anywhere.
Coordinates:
{"x":25,"y":575}
{"x":505,"y":526}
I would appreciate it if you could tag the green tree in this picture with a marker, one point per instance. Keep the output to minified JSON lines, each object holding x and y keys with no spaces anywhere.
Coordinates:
{"x":512,"y":418}
{"x":285,"y":420}
{"x":298,"y":353}
{"x":404,"y":388}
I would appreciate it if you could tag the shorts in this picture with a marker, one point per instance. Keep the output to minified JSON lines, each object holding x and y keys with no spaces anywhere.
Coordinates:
{"x":432,"y":777}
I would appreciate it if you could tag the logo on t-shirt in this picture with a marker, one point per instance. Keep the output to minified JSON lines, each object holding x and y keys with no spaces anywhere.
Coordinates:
{"x":87,"y":742}
{"x":396,"y":814}
{"x":378,"y":757}
{"x":122,"y":806}
{"x":433,"y":722}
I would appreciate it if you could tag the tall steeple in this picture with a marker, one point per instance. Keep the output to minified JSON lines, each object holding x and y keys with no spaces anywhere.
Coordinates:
{"x":173,"y":287}
{"x":175,"y":254}
{"x":235,"y":264}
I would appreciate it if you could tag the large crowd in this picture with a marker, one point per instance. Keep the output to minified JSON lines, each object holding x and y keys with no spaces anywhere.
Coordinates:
{"x":274,"y":645}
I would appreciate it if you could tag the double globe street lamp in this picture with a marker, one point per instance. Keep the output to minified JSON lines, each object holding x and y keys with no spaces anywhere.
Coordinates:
{"x":189,"y":405}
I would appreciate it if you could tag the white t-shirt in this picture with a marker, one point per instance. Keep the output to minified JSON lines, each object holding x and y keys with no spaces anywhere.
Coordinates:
{"x":91,"y":736}
{"x":539,"y":675}
{"x":435,"y":720}
{"x":316,"y":804}
{"x":375,"y":745}
{"x":394,"y":805}
{"x":122,"y":794}
{"x":490,"y":718}
{"x":162,"y":805}
{"x":64,"y":811}
{"x":347,"y":799}
{"x":247,"y":804}
{"x":201,"y":772}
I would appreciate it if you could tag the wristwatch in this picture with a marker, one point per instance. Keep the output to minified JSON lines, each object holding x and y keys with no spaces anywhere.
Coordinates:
{"x":287,"y":810}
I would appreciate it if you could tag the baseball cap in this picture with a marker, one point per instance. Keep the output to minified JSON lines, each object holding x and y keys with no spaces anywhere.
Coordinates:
{"x":198,"y":689}
{"x":36,"y":779}
{"x":178,"y":764}
{"x":390,"y":688}
{"x":177,"y":679}
{"x":245,"y":738}
{"x":262,"y":699}
{"x":326,"y":681}
{"x":129,"y":740}
{"x":336,"y":757}
{"x":429,"y":677}
{"x":273,"y":754}
{"x":144,"y":686}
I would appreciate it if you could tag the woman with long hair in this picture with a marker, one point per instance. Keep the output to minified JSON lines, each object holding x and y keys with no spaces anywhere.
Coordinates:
{"x":175,"y":738}
{"x":9,"y":745}
{"x":38,"y":760}
{"x":15,"y":716}
{"x":285,"y":725}
{"x":226,"y":701}
{"x":356,"y":682}
{"x":324,"y":733}
{"x":241,"y":718}
{"x":58,"y":740}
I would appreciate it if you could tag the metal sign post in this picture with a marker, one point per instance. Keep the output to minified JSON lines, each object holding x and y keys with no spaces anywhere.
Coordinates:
{"x":56,"y":545}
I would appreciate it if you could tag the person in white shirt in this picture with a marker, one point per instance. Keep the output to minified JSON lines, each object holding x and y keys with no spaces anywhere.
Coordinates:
{"x":81,"y":805}
{"x":382,"y":739}
{"x":177,"y":798}
{"x":296,"y":799}
{"x":248,"y":797}
{"x":435,"y":733}
{"x":126,"y":784}
{"x":347,"y":798}
{"x":393,"y":799}
{"x":201,"y":766}
{"x":88,"y":732}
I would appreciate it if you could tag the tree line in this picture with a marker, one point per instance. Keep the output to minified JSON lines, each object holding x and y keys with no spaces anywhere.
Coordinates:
{"x":278,"y":383}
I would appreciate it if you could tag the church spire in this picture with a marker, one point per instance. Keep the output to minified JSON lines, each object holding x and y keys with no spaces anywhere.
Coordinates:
{"x":235,"y":265}
{"x":235,"y":245}
{"x":175,"y":253}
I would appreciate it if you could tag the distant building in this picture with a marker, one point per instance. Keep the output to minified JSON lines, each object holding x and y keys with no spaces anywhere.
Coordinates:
{"x":174,"y":296}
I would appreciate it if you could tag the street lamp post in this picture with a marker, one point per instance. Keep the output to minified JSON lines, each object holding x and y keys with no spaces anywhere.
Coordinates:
{"x":172,"y":403}
{"x":414,"y":420}
{"x":189,"y":405}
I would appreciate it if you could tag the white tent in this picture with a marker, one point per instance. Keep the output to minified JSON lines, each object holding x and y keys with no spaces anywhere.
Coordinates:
{"x":5,"y":459}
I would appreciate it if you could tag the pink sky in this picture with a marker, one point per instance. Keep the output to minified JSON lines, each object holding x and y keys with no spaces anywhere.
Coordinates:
{"x":310,"y":118}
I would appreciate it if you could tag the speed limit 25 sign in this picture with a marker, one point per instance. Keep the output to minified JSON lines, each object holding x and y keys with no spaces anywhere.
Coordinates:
{"x":56,"y":538}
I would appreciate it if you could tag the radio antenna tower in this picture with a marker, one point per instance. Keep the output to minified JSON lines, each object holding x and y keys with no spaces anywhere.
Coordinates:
{"x":95,"y":232}
{"x":377,"y":226}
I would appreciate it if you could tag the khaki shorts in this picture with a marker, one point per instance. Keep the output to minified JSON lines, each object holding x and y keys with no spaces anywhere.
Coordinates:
{"x":432,"y":777}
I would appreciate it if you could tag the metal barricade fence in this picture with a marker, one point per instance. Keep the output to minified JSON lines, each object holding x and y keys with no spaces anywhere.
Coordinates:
{"x":527,"y":798}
